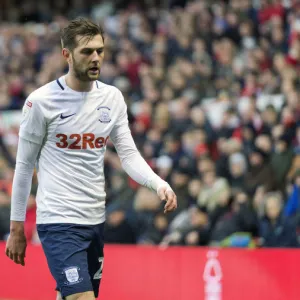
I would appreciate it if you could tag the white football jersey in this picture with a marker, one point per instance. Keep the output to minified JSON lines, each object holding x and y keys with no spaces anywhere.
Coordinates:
{"x":72,"y":128}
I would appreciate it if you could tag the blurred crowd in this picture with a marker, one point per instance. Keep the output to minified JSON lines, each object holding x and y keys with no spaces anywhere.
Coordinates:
{"x":212,"y":91}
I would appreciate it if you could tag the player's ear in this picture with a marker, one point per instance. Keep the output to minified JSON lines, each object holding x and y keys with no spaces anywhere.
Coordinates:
{"x":66,"y":54}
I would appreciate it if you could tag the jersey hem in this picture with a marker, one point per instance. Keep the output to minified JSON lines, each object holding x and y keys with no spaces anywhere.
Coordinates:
{"x":71,"y":221}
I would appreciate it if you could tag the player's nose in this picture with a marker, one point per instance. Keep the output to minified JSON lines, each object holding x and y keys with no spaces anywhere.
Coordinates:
{"x":95,"y":56}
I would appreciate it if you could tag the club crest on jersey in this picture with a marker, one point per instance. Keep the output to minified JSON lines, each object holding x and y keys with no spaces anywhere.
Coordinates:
{"x":104,"y":114}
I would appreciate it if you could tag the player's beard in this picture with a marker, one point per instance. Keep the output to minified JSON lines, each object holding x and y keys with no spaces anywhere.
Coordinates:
{"x":83,"y":74}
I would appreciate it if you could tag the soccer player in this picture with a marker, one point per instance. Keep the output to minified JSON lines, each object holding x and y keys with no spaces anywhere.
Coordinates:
{"x":64,"y":131}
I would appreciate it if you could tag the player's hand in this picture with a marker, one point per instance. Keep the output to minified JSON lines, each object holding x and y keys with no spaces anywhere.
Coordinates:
{"x":165,"y":193}
{"x":16,"y":247}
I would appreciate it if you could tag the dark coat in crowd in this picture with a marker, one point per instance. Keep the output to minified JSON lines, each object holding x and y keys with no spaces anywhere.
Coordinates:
{"x":229,"y":222}
{"x":282,"y":233}
{"x":259,"y":176}
{"x":281,"y":163}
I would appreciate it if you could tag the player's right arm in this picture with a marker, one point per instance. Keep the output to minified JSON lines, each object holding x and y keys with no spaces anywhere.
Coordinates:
{"x":31,"y":136}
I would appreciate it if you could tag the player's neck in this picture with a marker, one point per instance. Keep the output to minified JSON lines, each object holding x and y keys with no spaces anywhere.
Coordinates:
{"x":79,"y":86}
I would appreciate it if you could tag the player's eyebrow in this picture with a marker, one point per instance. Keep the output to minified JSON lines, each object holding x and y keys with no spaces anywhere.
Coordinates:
{"x":91,"y":49}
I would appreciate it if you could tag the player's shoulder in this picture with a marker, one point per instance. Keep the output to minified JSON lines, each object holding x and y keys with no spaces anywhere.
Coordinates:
{"x":114,"y":91}
{"x":44,"y":93}
{"x":112,"y":95}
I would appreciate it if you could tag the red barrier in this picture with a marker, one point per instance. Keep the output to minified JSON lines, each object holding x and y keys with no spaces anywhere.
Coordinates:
{"x":149,"y":273}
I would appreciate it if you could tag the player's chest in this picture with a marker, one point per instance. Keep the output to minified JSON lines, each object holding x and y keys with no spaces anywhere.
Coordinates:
{"x":86,"y":125}
{"x":95,"y":119}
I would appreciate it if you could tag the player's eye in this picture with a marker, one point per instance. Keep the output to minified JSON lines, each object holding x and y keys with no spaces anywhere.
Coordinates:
{"x":99,"y":51}
{"x":87,"y":52}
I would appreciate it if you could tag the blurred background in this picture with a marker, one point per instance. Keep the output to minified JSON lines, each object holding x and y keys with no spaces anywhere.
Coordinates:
{"x":212,"y":89}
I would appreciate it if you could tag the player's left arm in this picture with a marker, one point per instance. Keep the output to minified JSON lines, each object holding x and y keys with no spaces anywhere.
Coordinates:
{"x":138,"y":169}
{"x":134,"y":164}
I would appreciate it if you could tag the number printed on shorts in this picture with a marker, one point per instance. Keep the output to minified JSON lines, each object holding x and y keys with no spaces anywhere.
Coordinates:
{"x":81,"y":141}
{"x":98,"y":274}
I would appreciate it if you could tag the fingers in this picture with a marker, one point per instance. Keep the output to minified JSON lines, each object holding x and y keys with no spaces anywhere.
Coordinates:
{"x":22,"y":259}
{"x":13,"y":256}
{"x":18,"y":258}
{"x":10,"y":254}
{"x":165,"y":193}
{"x":7,"y":252}
{"x":171,"y":204}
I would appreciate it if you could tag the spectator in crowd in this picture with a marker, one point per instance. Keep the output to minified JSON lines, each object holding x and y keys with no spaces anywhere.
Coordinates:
{"x":292,"y":207}
{"x":237,"y":170}
{"x":155,"y":231}
{"x":118,"y":229}
{"x":275,"y":229}
{"x":281,"y":160}
{"x":238,"y":217}
{"x":215,"y":190}
{"x":260,"y":172}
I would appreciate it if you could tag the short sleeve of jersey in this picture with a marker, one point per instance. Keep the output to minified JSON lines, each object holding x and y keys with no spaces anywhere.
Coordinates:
{"x":121,"y":125}
{"x":33,"y":124}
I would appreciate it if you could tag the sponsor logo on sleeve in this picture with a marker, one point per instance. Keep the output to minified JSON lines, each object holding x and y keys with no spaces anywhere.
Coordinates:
{"x":26,"y":108}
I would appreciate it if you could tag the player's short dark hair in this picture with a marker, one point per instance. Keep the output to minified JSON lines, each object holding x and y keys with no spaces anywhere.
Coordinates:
{"x":79,"y":27}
